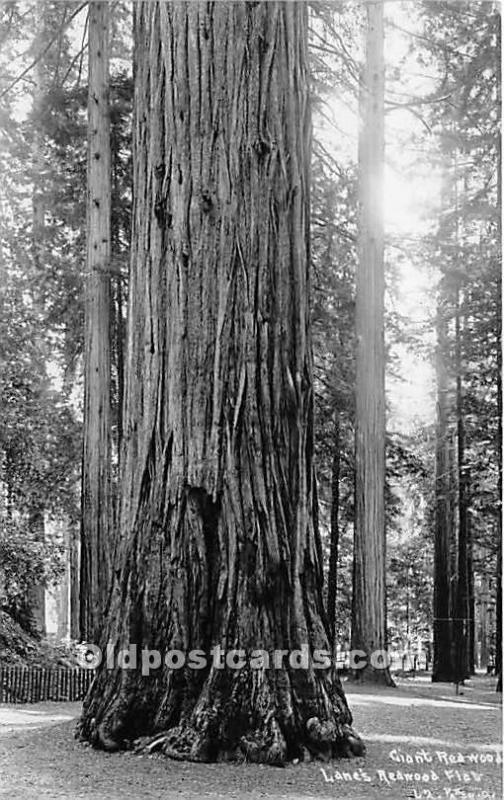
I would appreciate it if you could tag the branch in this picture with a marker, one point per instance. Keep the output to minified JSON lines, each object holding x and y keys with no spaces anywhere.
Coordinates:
{"x":79,"y":54}
{"x":412,"y":110}
{"x":431,"y":42}
{"x":420,"y":102}
{"x":327,"y":158}
{"x":344,"y":54}
{"x":43,"y":52}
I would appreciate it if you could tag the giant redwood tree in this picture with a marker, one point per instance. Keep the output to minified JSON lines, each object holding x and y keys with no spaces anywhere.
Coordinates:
{"x":218,"y":543}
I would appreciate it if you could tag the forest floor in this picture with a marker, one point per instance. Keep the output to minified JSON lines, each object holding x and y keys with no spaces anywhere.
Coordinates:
{"x":458,"y":739}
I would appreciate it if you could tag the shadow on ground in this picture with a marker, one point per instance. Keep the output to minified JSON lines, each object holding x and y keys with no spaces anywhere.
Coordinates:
{"x":423,"y":742}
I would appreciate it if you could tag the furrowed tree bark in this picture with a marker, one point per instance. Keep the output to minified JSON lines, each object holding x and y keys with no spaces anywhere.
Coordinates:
{"x":218,"y":543}
{"x":368,"y":600}
{"x":332,"y":579}
{"x":96,"y":485}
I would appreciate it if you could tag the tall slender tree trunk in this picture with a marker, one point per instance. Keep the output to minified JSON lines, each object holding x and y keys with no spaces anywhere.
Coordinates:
{"x":498,"y":297}
{"x":63,"y":607}
{"x":452,"y":520}
{"x":118,"y":341}
{"x":38,"y":197}
{"x":96,"y":483}
{"x":369,"y":601}
{"x":461,"y":617}
{"x":218,"y":543}
{"x":498,"y":582}
{"x":36,"y":596}
{"x":498,"y":621}
{"x":36,"y":521}
{"x":332,"y":581}
{"x":471,"y":631}
{"x":117,"y":304}
{"x":483,"y":621}
{"x":74,"y":582}
{"x":442,"y":666}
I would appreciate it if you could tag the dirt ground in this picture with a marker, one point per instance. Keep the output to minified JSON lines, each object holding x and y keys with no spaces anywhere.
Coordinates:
{"x":423,"y":742}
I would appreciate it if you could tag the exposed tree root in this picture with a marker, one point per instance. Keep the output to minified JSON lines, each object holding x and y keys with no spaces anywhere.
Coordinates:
{"x":262,"y":748}
{"x":245,"y":717}
{"x":256,"y":749}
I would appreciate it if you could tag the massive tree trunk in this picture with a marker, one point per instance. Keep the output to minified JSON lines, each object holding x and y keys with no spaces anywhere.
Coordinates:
{"x":218,"y":543}
{"x":96,"y":483}
{"x":332,"y":579}
{"x":369,"y":601}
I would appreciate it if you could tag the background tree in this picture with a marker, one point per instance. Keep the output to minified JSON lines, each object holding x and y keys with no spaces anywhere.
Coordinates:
{"x":36,"y":513}
{"x":334,"y":31}
{"x":368,"y":598}
{"x":44,"y":299}
{"x":465,"y":124}
{"x":38,"y":439}
{"x":97,"y":504}
{"x":442,"y":666}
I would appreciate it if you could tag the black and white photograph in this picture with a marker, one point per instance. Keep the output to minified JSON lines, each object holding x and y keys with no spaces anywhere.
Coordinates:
{"x":250,"y":400}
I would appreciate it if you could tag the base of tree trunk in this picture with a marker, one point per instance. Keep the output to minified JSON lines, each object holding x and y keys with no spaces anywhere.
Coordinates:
{"x":376,"y":677}
{"x":442,"y":677}
{"x":248,"y":716}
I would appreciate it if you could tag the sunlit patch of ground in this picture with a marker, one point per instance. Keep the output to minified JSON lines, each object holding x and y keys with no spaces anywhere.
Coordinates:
{"x":21,"y":717}
{"x":40,"y":760}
